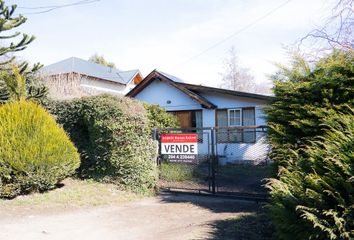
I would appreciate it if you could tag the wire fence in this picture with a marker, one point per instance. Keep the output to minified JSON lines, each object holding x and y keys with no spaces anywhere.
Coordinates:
{"x":229,"y":160}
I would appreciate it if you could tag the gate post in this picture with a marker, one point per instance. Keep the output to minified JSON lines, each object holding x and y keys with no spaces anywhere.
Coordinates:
{"x":213,"y":160}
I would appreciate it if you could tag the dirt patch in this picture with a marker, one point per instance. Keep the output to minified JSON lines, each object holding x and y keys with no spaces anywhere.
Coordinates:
{"x":163,"y":217}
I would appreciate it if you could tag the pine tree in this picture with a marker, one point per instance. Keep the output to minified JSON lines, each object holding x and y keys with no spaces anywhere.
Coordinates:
{"x":13,"y":74}
{"x":9,"y":22}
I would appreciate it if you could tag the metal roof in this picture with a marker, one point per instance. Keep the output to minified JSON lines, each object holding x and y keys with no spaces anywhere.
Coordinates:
{"x":88,"y":68}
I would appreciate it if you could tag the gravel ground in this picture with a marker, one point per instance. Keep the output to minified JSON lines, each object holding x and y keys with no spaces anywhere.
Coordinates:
{"x":163,"y":217}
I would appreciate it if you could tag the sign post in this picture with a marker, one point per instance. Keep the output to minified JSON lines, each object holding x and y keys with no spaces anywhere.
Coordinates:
{"x":180,"y":147}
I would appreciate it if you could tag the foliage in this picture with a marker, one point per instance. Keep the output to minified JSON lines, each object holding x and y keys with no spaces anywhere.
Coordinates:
{"x":7,"y":23}
{"x":311,"y":133}
{"x":112,"y":136}
{"x":35,"y":153}
{"x":101,"y":60}
{"x":304,"y":97}
{"x":159,"y":118}
{"x":15,"y":78}
{"x":313,"y":196}
{"x":17,"y":83}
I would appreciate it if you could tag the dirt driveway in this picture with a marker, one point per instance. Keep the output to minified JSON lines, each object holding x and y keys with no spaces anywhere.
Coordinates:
{"x":163,"y":217}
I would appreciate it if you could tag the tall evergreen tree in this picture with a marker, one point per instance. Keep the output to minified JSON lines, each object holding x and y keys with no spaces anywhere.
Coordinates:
{"x":9,"y":22}
{"x":16,"y":77}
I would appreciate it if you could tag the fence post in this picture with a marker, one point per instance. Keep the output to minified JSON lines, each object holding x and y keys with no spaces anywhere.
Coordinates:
{"x":213,"y":160}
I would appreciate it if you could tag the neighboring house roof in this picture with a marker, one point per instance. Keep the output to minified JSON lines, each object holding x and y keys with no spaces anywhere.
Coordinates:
{"x":191,"y":90}
{"x":91,"y":69}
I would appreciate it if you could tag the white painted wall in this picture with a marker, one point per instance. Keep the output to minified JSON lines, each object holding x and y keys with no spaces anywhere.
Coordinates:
{"x":229,"y":101}
{"x":159,"y":93}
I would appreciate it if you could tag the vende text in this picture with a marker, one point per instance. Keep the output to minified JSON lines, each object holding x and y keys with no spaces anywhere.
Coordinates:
{"x":179,"y":148}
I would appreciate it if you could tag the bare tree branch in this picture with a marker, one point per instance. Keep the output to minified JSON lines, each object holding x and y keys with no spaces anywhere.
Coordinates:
{"x":337,"y":30}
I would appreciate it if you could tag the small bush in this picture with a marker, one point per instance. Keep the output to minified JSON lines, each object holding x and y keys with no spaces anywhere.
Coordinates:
{"x":112,"y":135}
{"x":35,"y":153}
{"x":159,"y":118}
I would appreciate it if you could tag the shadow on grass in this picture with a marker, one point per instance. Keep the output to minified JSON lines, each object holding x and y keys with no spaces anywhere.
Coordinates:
{"x":255,"y":226}
{"x":248,"y":221}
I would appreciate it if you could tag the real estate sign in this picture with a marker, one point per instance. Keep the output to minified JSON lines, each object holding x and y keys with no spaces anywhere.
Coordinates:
{"x":180,"y":148}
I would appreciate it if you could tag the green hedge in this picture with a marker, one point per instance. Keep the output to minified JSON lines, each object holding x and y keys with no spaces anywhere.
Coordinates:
{"x":113,"y":138}
{"x":35,"y":153}
{"x":311,"y":133}
{"x":159,"y":118}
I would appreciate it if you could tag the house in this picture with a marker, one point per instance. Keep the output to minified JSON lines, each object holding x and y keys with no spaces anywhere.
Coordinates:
{"x":75,"y":77}
{"x":238,"y":117}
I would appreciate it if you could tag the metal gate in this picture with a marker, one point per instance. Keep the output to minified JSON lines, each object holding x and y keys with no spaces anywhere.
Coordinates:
{"x":230,"y":161}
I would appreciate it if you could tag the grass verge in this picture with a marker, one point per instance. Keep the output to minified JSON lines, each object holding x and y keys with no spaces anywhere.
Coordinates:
{"x":73,"y":193}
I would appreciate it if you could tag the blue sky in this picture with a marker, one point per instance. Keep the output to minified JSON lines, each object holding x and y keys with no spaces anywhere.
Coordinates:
{"x":166,"y":34}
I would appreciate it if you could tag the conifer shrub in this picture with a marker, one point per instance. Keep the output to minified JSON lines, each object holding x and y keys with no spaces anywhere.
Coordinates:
{"x":311,"y":133}
{"x":113,"y":137}
{"x":35,"y":152}
{"x":313,"y":196}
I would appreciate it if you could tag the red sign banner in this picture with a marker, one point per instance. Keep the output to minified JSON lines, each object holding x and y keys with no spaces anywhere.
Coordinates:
{"x":179,"y":138}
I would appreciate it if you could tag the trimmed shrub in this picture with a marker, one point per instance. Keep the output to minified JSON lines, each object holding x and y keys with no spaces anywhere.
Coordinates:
{"x":35,"y":153}
{"x":311,"y":133}
{"x":112,"y":135}
{"x":159,"y":118}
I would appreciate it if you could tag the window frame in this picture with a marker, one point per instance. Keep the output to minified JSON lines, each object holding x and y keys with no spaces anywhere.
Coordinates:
{"x":229,"y":118}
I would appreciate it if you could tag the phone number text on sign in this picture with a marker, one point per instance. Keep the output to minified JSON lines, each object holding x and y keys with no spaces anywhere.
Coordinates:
{"x":180,"y":148}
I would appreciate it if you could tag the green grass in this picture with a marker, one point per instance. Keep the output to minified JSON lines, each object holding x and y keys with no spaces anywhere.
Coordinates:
{"x":74,"y":193}
{"x":182,"y":172}
{"x":245,"y":170}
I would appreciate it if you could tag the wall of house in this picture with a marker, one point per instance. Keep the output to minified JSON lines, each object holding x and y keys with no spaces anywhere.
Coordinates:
{"x":94,"y":86}
{"x":229,"y":101}
{"x":161,"y":93}
{"x":73,"y":85}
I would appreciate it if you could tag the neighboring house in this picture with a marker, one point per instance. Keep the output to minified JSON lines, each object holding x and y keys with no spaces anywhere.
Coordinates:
{"x":75,"y":77}
{"x":202,"y":106}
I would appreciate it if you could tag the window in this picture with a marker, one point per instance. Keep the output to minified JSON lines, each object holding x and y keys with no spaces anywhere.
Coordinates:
{"x":235,"y":117}
{"x":189,"y":119}
{"x":249,"y":119}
